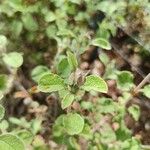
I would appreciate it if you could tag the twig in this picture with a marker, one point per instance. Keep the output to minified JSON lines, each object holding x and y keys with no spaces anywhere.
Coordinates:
{"x":125,"y":58}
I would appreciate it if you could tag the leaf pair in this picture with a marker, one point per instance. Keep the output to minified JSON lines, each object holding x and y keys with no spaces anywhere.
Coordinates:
{"x":52,"y":82}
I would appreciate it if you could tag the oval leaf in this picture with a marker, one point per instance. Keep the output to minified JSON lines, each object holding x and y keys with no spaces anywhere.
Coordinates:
{"x":73,"y":123}
{"x":103,"y":43}
{"x":30,"y":23}
{"x":13,"y":59}
{"x":95,"y":83}
{"x":67,"y":101}
{"x":146,"y":90}
{"x":38,"y":72}
{"x":64,"y":68}
{"x":10,"y":142}
{"x":50,"y":83}
{"x":72,"y":60}
{"x":125,"y":80}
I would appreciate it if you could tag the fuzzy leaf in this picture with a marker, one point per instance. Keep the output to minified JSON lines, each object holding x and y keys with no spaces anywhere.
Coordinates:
{"x":50,"y":16}
{"x":95,"y":83}
{"x":73,"y":123}
{"x":64,"y":68}
{"x":13,"y":59}
{"x":104,"y":58}
{"x":51,"y":83}
{"x":134,"y":110}
{"x":125,"y":80}
{"x":26,"y":136}
{"x":103,"y":43}
{"x":72,"y":60}
{"x":16,"y":28}
{"x":51,"y":31}
{"x":10,"y":142}
{"x":67,"y":101}
{"x":38,"y":72}
{"x":146,"y":90}
{"x":58,"y":129}
{"x":30,"y":23}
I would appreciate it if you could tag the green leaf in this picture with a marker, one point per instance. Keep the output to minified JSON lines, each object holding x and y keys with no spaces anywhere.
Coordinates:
{"x":74,"y":144}
{"x":16,"y":28}
{"x":111,"y":71}
{"x":36,"y":125}
{"x":103,"y":43}
{"x":86,"y":105}
{"x":73,"y":123}
{"x":67,"y":101}
{"x":50,"y":16}
{"x":13,"y":59}
{"x":2,"y":112}
{"x":87,"y":132}
{"x":58,"y":129}
{"x":29,"y":22}
{"x":10,"y":142}
{"x":104,"y":58}
{"x":22,"y":122}
{"x":72,"y":60}
{"x":63,"y":93}
{"x":107,"y":134}
{"x":51,"y":83}
{"x":1,"y":95}
{"x":95,"y":83}
{"x":64,"y":68}
{"x":26,"y":136}
{"x":3,"y":42}
{"x":65,"y":32}
{"x":146,"y":90}
{"x":38,"y":72}
{"x":106,"y":105}
{"x":123,"y":132}
{"x":4,"y":125}
{"x":134,"y":110}
{"x":125,"y":80}
{"x":3,"y":82}
{"x":131,"y":144}
{"x":51,"y":31}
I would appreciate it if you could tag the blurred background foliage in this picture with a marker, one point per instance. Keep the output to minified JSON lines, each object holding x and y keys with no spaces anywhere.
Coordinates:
{"x":42,"y":31}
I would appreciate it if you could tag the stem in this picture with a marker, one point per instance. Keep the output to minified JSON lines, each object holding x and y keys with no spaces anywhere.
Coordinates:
{"x":146,"y":79}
